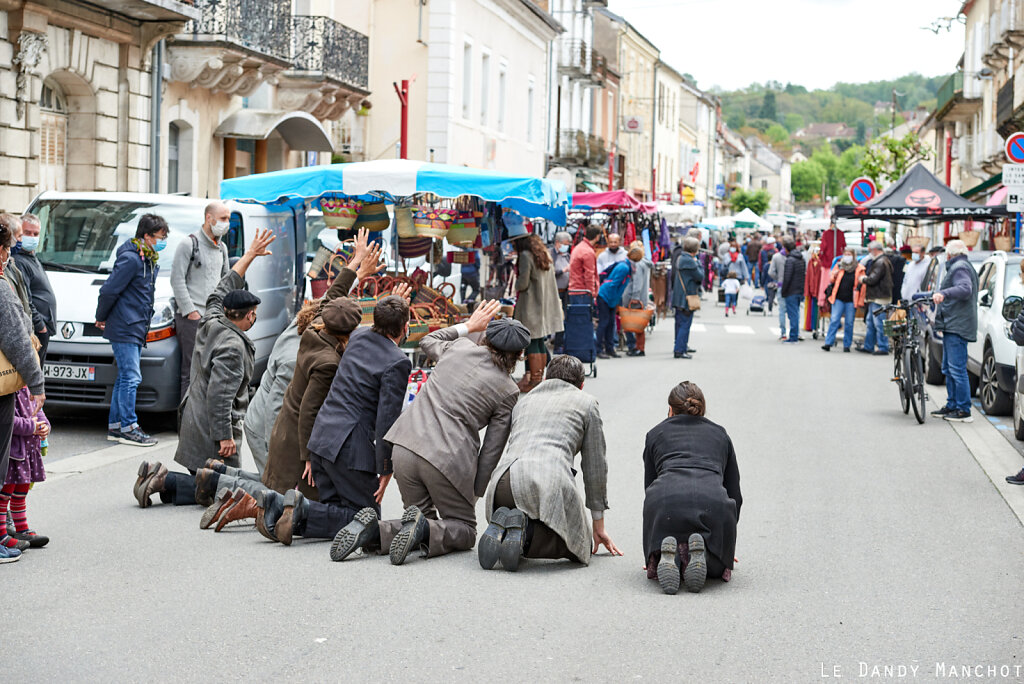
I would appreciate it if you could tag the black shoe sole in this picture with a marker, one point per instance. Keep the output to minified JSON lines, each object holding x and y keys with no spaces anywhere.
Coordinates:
{"x":489,"y":547}
{"x":413,"y":528}
{"x":354,"y":535}
{"x":668,"y":569}
{"x":696,"y":572}
{"x":512,"y":545}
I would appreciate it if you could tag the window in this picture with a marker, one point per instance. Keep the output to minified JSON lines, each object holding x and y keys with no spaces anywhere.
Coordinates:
{"x":529,"y":110}
{"x":986,"y":282}
{"x":467,"y":80}
{"x":485,"y":87}
{"x":764,"y":184}
{"x":53,"y":137}
{"x":502,"y":77}
{"x":173,"y":137}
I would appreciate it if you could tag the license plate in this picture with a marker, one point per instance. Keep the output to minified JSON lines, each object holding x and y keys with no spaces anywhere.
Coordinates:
{"x":60,"y":371}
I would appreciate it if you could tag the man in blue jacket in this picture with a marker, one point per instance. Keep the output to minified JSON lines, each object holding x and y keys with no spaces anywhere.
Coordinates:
{"x":608,"y":298}
{"x":123,"y":313}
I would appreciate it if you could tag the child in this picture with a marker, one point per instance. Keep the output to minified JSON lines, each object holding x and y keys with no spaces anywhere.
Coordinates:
{"x":26,"y":467}
{"x":731,"y":285}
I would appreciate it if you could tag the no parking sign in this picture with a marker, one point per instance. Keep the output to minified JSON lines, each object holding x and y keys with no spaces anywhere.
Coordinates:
{"x":862,"y":190}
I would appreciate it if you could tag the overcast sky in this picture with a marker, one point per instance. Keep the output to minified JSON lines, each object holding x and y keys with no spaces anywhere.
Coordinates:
{"x":732,"y":43}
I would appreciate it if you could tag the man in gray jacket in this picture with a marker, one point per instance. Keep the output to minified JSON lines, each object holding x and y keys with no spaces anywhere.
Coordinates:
{"x":957,"y":318}
{"x":214,"y":407}
{"x":200,"y":263}
{"x":534,"y":507}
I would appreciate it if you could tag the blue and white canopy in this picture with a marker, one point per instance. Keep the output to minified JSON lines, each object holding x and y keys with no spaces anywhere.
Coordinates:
{"x":392,"y":179}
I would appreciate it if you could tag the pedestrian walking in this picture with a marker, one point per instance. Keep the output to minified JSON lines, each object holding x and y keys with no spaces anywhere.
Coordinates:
{"x":123,"y":312}
{"x":199,"y":264}
{"x":534,"y":507}
{"x":842,"y":296}
{"x":43,"y":298}
{"x":31,"y":427}
{"x":537,"y":305}
{"x":686,"y":289}
{"x":637,"y":290}
{"x":791,"y":289}
{"x":878,"y":293}
{"x":957,"y":319}
{"x":752,"y":254}
{"x":692,"y":495}
{"x":731,"y":287}
{"x":16,"y":346}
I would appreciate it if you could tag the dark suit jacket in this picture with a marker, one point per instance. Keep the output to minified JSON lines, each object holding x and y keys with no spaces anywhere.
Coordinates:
{"x":365,"y":399}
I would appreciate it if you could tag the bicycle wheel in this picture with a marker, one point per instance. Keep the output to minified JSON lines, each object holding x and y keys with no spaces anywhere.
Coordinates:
{"x":914,"y":365}
{"x":899,"y":376}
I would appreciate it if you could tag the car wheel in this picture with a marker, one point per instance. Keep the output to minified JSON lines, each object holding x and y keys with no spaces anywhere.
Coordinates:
{"x":1018,"y":422}
{"x":994,"y":401}
{"x":933,"y":366}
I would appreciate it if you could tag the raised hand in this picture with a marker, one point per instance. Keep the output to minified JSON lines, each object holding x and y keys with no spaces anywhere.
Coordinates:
{"x":259,"y":244}
{"x":483,"y":315}
{"x":402,"y":290}
{"x":371,"y":264}
{"x":360,"y":248}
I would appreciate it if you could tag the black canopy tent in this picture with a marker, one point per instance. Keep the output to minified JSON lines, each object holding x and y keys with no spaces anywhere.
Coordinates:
{"x":920,"y":197}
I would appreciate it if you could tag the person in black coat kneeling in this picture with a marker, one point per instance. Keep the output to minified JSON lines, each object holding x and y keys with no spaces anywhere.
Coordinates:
{"x":692,"y":501}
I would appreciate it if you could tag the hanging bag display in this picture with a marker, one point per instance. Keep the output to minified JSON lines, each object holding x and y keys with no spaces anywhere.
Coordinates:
{"x":403,"y":222}
{"x":466,"y":229}
{"x":373,"y":216}
{"x":340,"y":212}
{"x":431,"y":222}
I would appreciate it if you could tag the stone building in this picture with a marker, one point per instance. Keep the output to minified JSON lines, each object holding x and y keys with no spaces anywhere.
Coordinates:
{"x":76,"y":93}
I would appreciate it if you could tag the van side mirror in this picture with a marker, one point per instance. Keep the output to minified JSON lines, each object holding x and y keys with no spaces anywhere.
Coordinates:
{"x":1011,"y":307}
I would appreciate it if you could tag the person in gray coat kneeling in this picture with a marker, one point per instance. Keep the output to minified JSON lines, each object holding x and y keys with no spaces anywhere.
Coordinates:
{"x":218,"y":394}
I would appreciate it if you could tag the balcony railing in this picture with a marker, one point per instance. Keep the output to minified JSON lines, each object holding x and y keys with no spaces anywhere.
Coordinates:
{"x":953,"y":86}
{"x":322,"y":45}
{"x":1004,"y":103}
{"x":262,"y":26}
{"x":582,"y":148}
{"x":574,"y":58}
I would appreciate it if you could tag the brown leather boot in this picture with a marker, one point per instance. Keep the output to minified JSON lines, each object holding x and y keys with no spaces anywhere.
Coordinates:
{"x":219,"y":505}
{"x":153,"y":482}
{"x":243,"y":506}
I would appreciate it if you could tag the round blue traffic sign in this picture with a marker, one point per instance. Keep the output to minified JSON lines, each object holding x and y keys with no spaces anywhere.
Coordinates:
{"x":1015,"y":148}
{"x":862,"y":190}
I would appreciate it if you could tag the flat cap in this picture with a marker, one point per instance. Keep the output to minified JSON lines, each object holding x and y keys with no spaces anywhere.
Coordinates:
{"x":341,"y":316}
{"x":508,"y":334}
{"x":238,"y":300}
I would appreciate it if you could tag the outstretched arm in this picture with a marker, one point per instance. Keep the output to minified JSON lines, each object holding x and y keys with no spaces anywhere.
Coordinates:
{"x":235,"y":279}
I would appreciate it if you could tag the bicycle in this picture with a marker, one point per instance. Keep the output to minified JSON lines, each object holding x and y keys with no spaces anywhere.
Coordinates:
{"x":908,"y":362}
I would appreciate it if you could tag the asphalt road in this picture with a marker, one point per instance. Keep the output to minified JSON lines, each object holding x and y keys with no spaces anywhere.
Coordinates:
{"x":865,"y":540}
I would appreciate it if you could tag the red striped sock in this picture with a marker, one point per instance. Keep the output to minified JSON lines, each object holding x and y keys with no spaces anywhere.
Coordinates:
{"x":18,"y":511}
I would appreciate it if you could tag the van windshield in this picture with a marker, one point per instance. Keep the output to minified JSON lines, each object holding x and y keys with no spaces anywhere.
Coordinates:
{"x":83,"y":235}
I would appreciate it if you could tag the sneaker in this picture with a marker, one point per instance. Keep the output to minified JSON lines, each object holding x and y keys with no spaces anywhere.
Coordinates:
{"x":958,"y":416}
{"x":35,"y":541}
{"x":635,"y":352}
{"x":113,"y":435}
{"x":1017,"y":479}
{"x":9,"y":555}
{"x":846,"y":349}
{"x":826,"y":347}
{"x":942,"y":412}
{"x":136,"y":437}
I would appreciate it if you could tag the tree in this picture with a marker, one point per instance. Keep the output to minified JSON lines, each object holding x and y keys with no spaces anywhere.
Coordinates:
{"x":828,"y":161}
{"x":758,"y":202}
{"x":849,"y":164}
{"x":793,"y":122}
{"x":768,"y":106}
{"x":862,"y":133}
{"x":806,"y":179}
{"x":736,"y":121}
{"x":777,"y":133}
{"x":887,"y":158}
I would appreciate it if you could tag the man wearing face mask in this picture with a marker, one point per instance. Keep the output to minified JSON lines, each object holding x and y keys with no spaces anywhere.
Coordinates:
{"x":123,"y":313}
{"x":913,"y":276}
{"x":199,"y":264}
{"x":38,"y":282}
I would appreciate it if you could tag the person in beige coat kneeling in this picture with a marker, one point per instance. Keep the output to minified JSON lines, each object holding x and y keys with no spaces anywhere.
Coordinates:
{"x":534,"y":507}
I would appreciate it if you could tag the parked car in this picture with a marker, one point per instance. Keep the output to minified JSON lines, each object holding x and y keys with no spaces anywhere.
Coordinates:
{"x":1012,"y":306}
{"x":81,"y":232}
{"x":991,"y":359}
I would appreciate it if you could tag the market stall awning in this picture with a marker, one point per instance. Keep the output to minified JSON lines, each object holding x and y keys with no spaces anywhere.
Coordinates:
{"x":392,"y":179}
{"x":609,"y":201}
{"x":300,"y":130}
{"x":748,"y":219}
{"x":920,"y":196}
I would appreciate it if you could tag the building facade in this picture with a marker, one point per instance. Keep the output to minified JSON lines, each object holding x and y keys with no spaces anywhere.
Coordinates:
{"x":76,"y":94}
{"x":667,"y":116}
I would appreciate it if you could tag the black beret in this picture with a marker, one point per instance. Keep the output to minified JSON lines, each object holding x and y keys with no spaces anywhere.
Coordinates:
{"x":508,"y":334}
{"x":341,"y":316}
{"x":239,"y":300}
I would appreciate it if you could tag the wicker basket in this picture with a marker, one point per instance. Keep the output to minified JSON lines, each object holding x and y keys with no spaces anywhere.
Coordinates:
{"x":970,"y":237}
{"x":1003,"y":242}
{"x":635,"y":319}
{"x":918,"y":241}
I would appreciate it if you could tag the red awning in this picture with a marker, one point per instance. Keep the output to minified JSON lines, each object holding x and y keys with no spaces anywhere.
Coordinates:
{"x":616,"y":199}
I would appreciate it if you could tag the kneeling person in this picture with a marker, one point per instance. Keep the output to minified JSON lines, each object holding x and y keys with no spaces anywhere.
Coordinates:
{"x":534,"y":506}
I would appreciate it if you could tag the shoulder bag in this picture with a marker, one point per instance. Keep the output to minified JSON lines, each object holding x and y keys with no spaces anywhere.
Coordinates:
{"x":692,"y":300}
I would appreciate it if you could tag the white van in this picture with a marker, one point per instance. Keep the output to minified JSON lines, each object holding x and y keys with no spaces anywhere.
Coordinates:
{"x":81,"y":232}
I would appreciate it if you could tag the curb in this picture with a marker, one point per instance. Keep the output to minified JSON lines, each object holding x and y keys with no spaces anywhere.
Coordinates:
{"x":82,"y":463}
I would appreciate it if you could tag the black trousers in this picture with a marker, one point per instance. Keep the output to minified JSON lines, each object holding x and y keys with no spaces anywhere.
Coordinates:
{"x":185,"y":330}
{"x":179,"y":489}
{"x":44,"y":341}
{"x":6,"y":430}
{"x":343,"y":493}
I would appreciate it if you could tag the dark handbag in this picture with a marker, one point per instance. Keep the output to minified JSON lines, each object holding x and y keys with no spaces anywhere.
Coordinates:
{"x":828,"y":290}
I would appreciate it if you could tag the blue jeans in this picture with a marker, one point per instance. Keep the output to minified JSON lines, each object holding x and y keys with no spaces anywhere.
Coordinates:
{"x":782,"y":313}
{"x":842,"y":312}
{"x":684,"y":319}
{"x":954,"y":365}
{"x":606,"y":338}
{"x":730,"y":300}
{"x":793,"y":313}
{"x":874,"y":318}
{"x":122,"y":398}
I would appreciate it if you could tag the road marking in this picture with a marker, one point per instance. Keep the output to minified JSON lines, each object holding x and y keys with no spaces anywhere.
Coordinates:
{"x":698,"y":327}
{"x":775,"y":331}
{"x":75,"y":465}
{"x":739,"y":329}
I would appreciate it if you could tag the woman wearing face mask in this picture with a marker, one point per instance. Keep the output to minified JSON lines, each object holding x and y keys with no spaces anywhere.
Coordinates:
{"x":560,"y":255}
{"x":842,"y":297}
{"x":199,"y":265}
{"x":123,"y":312}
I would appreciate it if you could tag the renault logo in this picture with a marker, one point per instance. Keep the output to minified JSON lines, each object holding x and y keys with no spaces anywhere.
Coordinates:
{"x":67,"y":330}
